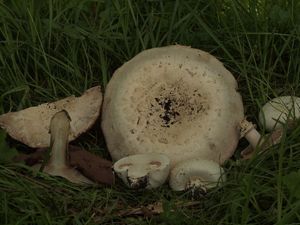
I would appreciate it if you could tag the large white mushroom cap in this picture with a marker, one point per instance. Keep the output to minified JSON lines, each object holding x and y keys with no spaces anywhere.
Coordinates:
{"x":31,"y":125}
{"x":174,"y":100}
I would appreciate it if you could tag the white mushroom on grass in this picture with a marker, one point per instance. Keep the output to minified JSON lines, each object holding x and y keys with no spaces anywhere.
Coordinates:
{"x":66,"y":119}
{"x":143,"y":170}
{"x":279,"y":111}
{"x":196,"y":174}
{"x":174,"y":100}
{"x":272,"y":116}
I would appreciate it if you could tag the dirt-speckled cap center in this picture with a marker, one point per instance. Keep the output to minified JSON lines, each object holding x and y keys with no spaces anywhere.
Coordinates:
{"x":168,"y":106}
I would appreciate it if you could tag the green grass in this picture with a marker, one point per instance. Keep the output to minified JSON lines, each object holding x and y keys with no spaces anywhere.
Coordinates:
{"x":52,"y":49}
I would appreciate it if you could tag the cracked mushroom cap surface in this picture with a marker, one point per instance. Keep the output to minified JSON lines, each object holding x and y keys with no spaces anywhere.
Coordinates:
{"x":174,"y":100}
{"x":31,"y":125}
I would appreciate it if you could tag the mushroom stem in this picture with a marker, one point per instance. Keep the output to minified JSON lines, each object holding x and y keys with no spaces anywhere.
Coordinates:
{"x":59,"y":129}
{"x":248,"y":130}
{"x":256,"y":140}
{"x":58,"y":164}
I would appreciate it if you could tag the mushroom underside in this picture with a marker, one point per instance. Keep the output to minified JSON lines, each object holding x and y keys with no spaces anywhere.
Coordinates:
{"x":31,"y":126}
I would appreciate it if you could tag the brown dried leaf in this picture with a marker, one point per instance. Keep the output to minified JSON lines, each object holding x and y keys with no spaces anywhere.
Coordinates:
{"x":90,"y":165}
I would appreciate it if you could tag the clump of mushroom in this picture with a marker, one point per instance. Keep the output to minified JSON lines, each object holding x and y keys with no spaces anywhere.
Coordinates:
{"x":173,"y":100}
{"x":66,"y":119}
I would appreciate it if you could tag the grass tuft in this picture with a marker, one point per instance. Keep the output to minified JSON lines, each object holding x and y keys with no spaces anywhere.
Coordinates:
{"x":52,"y":49}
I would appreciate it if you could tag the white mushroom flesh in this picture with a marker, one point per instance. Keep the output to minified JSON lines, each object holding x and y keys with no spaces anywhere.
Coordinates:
{"x":143,"y":170}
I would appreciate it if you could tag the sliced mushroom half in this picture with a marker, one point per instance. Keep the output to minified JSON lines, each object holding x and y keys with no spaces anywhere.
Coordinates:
{"x":143,"y":170}
{"x":31,"y":125}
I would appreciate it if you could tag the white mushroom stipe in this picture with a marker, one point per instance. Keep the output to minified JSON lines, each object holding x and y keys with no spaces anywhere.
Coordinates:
{"x":278,"y":110}
{"x":143,"y":170}
{"x":57,"y":164}
{"x":196,"y":174}
{"x":248,"y":130}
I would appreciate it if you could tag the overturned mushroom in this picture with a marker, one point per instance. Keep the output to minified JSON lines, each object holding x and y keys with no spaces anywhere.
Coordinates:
{"x":196,"y":173}
{"x":57,"y":164}
{"x":174,"y":100}
{"x":143,"y":170}
{"x":92,"y":166}
{"x":278,"y":110}
{"x":31,"y":125}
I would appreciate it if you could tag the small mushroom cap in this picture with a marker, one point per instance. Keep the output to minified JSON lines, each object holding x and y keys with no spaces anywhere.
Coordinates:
{"x":174,"y":100}
{"x":276,"y":112}
{"x":31,"y":125}
{"x":208,"y":174}
{"x":143,"y":170}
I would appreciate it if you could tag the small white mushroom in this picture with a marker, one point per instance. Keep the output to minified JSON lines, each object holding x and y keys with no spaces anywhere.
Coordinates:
{"x":278,"y":110}
{"x":57,"y":164}
{"x":196,"y":174}
{"x":256,"y":140}
{"x":272,"y":116}
{"x":143,"y":170}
